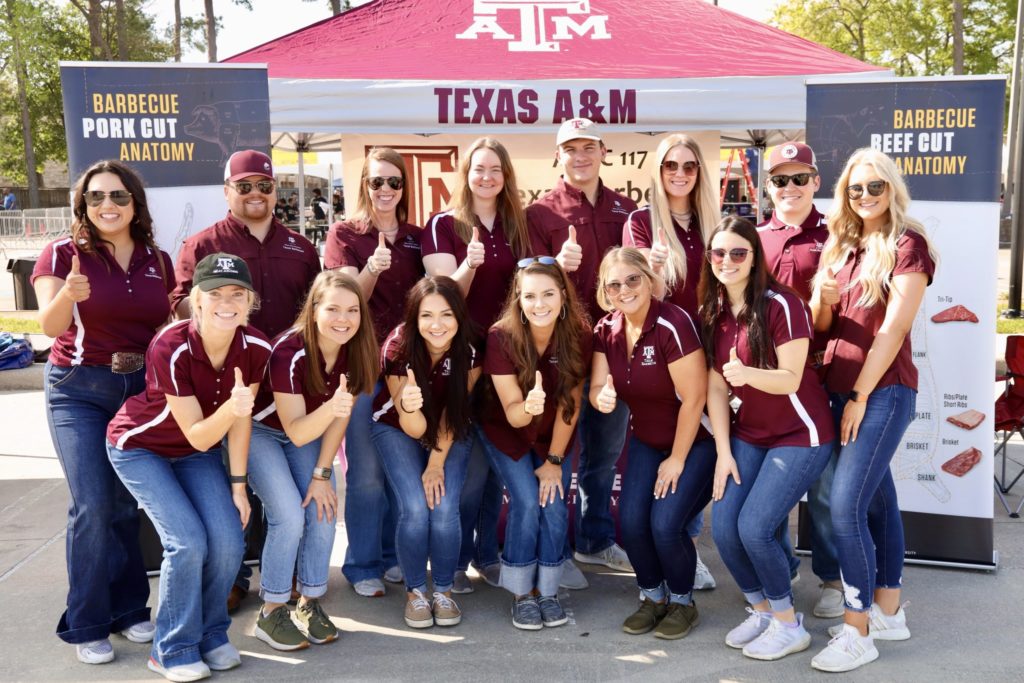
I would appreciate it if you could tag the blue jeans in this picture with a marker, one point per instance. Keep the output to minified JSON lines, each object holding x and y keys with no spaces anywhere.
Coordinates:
{"x":189,"y":502}
{"x":865,"y":511}
{"x":824,"y":562}
{"x":602,"y":437}
{"x":423,"y":533}
{"x":746,"y":520}
{"x":280,"y":473}
{"x":479,"y":510}
{"x":369,"y":503}
{"x":107,"y":584}
{"x":534,"y":536}
{"x":654,"y":529}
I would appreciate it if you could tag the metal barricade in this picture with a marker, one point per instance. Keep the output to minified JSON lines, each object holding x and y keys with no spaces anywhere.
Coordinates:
{"x":31,"y":229}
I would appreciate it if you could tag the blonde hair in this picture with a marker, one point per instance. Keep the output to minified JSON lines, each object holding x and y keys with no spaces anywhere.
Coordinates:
{"x":193,"y":301}
{"x":703,"y":205}
{"x":630,"y":256}
{"x":845,"y":229}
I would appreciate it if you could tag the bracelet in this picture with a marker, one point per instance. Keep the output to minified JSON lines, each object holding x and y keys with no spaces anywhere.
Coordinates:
{"x":401,"y":406}
{"x":239,"y":479}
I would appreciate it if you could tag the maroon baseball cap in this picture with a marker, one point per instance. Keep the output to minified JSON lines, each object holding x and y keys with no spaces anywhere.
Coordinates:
{"x":792,"y":153}
{"x":248,"y":162}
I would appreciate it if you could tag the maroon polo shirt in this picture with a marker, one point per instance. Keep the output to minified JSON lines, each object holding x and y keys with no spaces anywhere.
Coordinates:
{"x":641,"y":377}
{"x":773,"y":420}
{"x":492,"y":279}
{"x":393,"y":364}
{"x":286,"y":374}
{"x":346,"y":246}
{"x":124,"y":309}
{"x":282,"y":267}
{"x":637,"y":233}
{"x":515,"y":442}
{"x":598,"y":229}
{"x":177,"y":364}
{"x":854,"y":327}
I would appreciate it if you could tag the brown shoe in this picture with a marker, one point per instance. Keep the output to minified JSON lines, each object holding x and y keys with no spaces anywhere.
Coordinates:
{"x":235,"y":598}
{"x":446,"y":611}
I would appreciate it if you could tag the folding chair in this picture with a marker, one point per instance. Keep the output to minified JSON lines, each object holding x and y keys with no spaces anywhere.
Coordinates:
{"x":1009,"y":415}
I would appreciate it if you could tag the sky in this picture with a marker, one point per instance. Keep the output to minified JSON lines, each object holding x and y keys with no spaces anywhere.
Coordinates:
{"x":272,"y":19}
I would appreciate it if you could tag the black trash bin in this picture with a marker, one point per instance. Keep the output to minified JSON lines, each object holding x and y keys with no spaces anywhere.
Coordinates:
{"x":24,"y":294}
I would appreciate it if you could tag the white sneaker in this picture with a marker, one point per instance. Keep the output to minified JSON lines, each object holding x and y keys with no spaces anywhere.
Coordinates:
{"x":612,"y":557}
{"x":881,"y":625}
{"x":830,"y":603}
{"x":847,"y":651}
{"x":702,"y":579}
{"x":779,"y":640}
{"x":95,"y":652}
{"x":394,"y":575}
{"x":369,"y":588}
{"x":461,"y":583}
{"x":753,"y":626}
{"x":183,"y":673}
{"x":141,"y":632}
{"x":223,"y":658}
{"x":572,"y":578}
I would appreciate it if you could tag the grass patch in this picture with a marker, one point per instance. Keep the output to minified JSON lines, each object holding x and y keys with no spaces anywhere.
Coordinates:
{"x":19,"y":325}
{"x":1007,"y":325}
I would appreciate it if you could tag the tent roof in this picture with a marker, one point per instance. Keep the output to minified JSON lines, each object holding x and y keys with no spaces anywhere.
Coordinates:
{"x":653,"y":39}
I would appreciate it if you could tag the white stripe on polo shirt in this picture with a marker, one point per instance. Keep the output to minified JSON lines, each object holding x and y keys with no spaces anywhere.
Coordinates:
{"x":384,"y":408}
{"x":53,"y":254}
{"x":143,"y":427}
{"x":675,"y":333}
{"x":291,"y":367}
{"x":76,"y":356}
{"x":174,"y":359}
{"x":812,"y":431}
{"x":258,"y":417}
{"x":388,"y":342}
{"x":257,"y":341}
{"x":433,"y":226}
{"x":775,"y":296}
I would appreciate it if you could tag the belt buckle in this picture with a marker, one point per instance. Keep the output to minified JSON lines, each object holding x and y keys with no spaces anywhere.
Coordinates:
{"x":126,"y":362}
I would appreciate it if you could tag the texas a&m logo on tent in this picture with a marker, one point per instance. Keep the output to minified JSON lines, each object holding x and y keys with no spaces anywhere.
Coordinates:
{"x":533,"y":23}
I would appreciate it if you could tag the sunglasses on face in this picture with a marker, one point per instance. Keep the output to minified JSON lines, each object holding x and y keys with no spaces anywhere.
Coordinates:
{"x":632,"y":283}
{"x":377,"y":182}
{"x":737,"y":255}
{"x":689,"y":167}
{"x":799,"y":179}
{"x":119,"y":197}
{"x":245,"y":186}
{"x":530,"y":260}
{"x":875,"y":189}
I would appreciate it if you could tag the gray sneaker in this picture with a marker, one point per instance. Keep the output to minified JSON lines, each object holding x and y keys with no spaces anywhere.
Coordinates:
{"x":277,"y":630}
{"x":551,"y":612}
{"x":612,"y":557}
{"x":572,"y":578}
{"x":311,"y":618}
{"x":461,"y":583}
{"x":526,"y":613}
{"x":491,"y":574}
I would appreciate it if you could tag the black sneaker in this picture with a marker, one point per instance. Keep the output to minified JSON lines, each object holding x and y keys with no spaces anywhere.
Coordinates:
{"x":551,"y":611}
{"x":526,"y":613}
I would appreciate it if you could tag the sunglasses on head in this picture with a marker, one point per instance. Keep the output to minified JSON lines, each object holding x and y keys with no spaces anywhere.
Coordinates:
{"x":875,"y":189}
{"x":377,"y":182}
{"x":530,"y":260}
{"x":96,"y":197}
{"x":799,"y":179}
{"x":245,"y":186}
{"x":632,"y":282}
{"x":737,"y":255}
{"x":689,"y":167}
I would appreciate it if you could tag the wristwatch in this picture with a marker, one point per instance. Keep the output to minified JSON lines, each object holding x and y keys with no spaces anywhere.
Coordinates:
{"x":555,"y":459}
{"x":323,"y":473}
{"x":858,"y":397}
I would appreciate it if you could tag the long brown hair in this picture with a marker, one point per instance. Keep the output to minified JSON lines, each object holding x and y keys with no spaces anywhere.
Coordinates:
{"x":569,"y":328}
{"x":361,"y":349}
{"x":363,"y":217}
{"x":715,"y":298}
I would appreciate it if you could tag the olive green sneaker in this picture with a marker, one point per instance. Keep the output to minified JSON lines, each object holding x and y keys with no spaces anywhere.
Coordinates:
{"x":277,"y":630}
{"x":645,"y":618}
{"x":312,"y":619}
{"x":678,"y":621}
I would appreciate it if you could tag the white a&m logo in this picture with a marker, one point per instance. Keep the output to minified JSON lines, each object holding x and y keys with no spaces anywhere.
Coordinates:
{"x":648,"y":356}
{"x":789,"y":151}
{"x":533,"y":15}
{"x":226,"y":265}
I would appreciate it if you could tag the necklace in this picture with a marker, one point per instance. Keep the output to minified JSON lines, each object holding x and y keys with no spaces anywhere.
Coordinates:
{"x":682,"y":218}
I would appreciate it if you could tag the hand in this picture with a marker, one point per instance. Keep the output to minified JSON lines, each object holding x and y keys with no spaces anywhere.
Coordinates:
{"x":411,"y":398}
{"x":606,"y":399}
{"x":828,"y":290}
{"x":326,"y":499}
{"x":76,"y":285}
{"x":550,"y":478}
{"x":659,"y":253}
{"x":241,"y":500}
{"x":433,"y":485}
{"x":668,"y":476}
{"x":725,"y":467}
{"x":853,"y":415}
{"x":571,"y":255}
{"x":381,"y":259}
{"x":734,"y":372}
{"x":534,"y":403}
{"x":342,"y":401}
{"x":242,"y":399}
{"x":475,"y":252}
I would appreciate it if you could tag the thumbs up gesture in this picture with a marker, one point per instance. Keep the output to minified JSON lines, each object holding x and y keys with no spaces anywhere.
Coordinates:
{"x":659,"y":252}
{"x":241,"y":396}
{"x":534,"y":404}
{"x":342,"y":401}
{"x":734,"y":372}
{"x":411,"y":398}
{"x":76,"y":285}
{"x":381,"y":259}
{"x":475,"y":252}
{"x":828,"y":288}
{"x":607,"y":397}
{"x":571,"y":255}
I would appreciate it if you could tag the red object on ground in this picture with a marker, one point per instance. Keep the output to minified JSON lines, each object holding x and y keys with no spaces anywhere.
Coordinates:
{"x":955,"y":314}
{"x":962,"y":463}
{"x":969,"y":419}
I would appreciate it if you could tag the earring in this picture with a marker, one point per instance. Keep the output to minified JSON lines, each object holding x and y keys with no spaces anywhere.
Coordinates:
{"x":522,"y":316}
{"x":565,"y":310}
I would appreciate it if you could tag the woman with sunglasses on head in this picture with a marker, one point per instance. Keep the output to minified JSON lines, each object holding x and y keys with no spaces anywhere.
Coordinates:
{"x":756,"y":334}
{"x":648,"y":354}
{"x":316,"y":369}
{"x":166,"y":446}
{"x":422,"y":431}
{"x":537,"y":357}
{"x":103,"y":294}
{"x":381,"y":250}
{"x":874,"y":271}
{"x":477,"y":243}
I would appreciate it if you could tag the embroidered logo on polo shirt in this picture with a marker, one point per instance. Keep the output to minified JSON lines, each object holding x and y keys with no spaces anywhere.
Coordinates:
{"x":818,"y":247}
{"x":152,"y":273}
{"x":446,"y":367}
{"x":647,"y":357}
{"x":411,"y":242}
{"x":533,"y":23}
